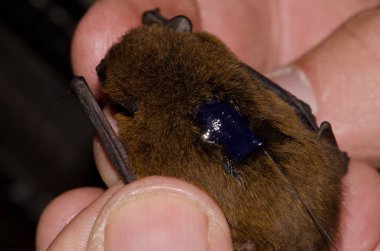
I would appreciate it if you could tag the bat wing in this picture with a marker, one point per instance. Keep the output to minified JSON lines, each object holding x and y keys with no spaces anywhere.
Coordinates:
{"x":302,"y":109}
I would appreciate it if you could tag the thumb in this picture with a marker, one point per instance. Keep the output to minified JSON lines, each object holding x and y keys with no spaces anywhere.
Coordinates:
{"x":153,"y":213}
{"x":340,"y":79}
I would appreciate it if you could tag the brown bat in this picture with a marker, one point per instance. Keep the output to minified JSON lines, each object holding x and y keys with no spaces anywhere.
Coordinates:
{"x":188,"y":108}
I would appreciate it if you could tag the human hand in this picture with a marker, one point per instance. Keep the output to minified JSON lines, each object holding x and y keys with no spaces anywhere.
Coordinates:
{"x":264,"y":35}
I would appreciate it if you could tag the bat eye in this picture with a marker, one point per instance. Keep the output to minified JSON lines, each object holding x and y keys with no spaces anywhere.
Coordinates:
{"x":127,"y":109}
{"x":101,"y":71}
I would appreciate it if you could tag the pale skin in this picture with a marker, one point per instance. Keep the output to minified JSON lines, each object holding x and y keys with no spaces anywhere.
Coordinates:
{"x":334,"y":45}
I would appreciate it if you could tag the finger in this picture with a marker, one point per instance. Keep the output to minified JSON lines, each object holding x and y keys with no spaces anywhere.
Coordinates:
{"x":262,"y":34}
{"x":360,"y":224}
{"x":154,"y":213}
{"x":343,"y":77}
{"x":105,"y":22}
{"x":266,"y":34}
{"x":60,"y":212}
{"x":75,"y":234}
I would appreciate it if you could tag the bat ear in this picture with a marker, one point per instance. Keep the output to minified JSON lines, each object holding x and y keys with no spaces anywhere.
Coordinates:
{"x":180,"y":24}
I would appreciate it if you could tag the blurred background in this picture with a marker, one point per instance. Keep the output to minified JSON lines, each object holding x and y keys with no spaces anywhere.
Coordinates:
{"x":45,"y":137}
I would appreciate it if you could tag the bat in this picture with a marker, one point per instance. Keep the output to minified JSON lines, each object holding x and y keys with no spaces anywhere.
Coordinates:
{"x":187,"y":107}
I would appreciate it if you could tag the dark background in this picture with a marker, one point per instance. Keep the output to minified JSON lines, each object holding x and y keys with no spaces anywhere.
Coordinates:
{"x":45,"y":138}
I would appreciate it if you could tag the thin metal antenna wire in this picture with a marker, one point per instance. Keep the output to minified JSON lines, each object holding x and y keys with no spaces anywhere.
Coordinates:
{"x":307,"y":209}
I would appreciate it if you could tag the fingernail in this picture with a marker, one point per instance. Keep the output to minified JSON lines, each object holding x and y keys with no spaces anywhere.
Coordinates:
{"x":157,"y":221}
{"x":106,"y":170}
{"x":110,"y":115}
{"x":294,"y":80}
{"x":105,"y":167}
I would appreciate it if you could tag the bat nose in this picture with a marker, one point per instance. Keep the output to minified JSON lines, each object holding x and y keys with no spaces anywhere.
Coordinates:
{"x":101,"y":71}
